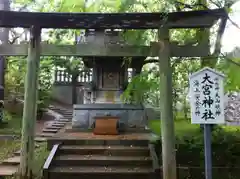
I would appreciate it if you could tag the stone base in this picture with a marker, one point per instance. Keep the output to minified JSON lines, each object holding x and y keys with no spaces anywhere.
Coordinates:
{"x":130,"y":116}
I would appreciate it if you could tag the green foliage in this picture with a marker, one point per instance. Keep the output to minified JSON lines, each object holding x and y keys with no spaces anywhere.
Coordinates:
{"x":15,"y":78}
{"x":232,"y":82}
{"x":139,"y":88}
{"x":41,"y":153}
{"x":15,"y":74}
{"x":190,"y":149}
{"x":7,"y":148}
{"x":13,"y":124}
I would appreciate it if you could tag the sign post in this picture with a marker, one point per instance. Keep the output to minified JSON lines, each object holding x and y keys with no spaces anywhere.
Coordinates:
{"x":207,"y":106}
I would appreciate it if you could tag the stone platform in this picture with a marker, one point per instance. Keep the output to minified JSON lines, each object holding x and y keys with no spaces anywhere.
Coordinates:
{"x":129,"y":115}
{"x":69,"y":137}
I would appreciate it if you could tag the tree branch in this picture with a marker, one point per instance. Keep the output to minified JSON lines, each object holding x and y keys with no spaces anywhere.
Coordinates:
{"x":220,"y":33}
{"x":16,"y":36}
{"x":230,"y":60}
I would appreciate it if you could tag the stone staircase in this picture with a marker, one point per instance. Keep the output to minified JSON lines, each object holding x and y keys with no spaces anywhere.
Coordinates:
{"x":100,"y":159}
{"x":9,"y":166}
{"x":65,"y":112}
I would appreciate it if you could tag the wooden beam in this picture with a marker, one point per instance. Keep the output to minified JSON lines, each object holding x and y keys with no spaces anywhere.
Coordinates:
{"x":166,"y":106}
{"x":184,"y":19}
{"x":30,"y":106}
{"x":89,"y":50}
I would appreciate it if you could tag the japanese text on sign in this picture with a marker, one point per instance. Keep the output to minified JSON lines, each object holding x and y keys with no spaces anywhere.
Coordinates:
{"x":206,"y":97}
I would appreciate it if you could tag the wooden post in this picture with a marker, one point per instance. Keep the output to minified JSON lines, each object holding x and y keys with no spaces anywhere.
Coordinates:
{"x":30,"y":105}
{"x":166,"y":102}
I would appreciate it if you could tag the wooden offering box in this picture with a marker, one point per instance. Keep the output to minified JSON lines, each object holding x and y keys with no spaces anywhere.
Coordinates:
{"x":106,"y":125}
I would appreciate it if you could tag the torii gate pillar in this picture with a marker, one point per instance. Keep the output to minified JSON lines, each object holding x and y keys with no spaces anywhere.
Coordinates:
{"x":30,"y":105}
{"x":167,"y":121}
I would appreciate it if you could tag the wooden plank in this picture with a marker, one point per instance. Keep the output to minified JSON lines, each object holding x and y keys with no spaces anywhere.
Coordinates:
{"x":86,"y":50}
{"x":184,"y":19}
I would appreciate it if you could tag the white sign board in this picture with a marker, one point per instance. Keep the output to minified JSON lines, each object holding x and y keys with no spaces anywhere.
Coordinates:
{"x":207,"y":97}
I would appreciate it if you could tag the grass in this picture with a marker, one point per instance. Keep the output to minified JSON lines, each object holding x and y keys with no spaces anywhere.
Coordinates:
{"x":7,"y":147}
{"x":40,"y":155}
{"x":184,"y":128}
{"x":181,"y":127}
{"x":13,"y":126}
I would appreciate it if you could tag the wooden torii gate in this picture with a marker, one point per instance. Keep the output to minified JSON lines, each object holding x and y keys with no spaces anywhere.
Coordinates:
{"x":163,"y":49}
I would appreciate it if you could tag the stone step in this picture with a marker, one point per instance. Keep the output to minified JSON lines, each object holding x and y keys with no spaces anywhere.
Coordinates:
{"x":45,"y":134}
{"x":72,"y":172}
{"x":67,"y":112}
{"x":40,"y":139}
{"x":68,"y":117}
{"x":58,"y":125}
{"x":12,"y":161}
{"x":64,"y":119}
{"x":93,"y":142}
{"x":53,"y":127}
{"x":17,"y":153}
{"x":8,"y":170}
{"x":104,"y":150}
{"x":59,"y":122}
{"x":101,"y":160}
{"x":7,"y":137}
{"x":50,"y":130}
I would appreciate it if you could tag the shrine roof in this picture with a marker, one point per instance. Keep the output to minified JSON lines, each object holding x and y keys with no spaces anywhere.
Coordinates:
{"x":186,"y":19}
